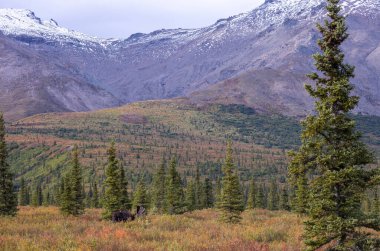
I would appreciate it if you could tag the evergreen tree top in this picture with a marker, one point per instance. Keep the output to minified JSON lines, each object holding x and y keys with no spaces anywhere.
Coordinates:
{"x":112,"y":160}
{"x":228,"y":167}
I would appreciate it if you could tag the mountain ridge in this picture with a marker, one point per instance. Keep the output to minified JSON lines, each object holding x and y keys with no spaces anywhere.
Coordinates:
{"x":278,"y":37}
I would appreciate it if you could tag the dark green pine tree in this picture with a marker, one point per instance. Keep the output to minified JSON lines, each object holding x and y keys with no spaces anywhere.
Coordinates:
{"x":260,"y":197}
{"x":198,"y":189}
{"x":273,"y":197}
{"x":66,"y":200}
{"x":331,"y":156}
{"x":8,"y":198}
{"x":207,"y":198}
{"x":158,"y":190}
{"x":23,"y":193}
{"x":140,"y":196}
{"x":124,"y":198}
{"x":218,"y":191}
{"x":251,"y":200}
{"x":231,"y":202}
{"x":190,"y":198}
{"x":111,"y":199}
{"x":95,"y":196}
{"x":284,"y":200}
{"x":174,"y":197}
{"x":72,"y":198}
{"x":89,"y":197}
{"x":77,"y":184}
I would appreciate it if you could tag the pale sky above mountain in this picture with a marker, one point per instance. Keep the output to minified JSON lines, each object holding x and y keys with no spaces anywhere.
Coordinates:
{"x":121,"y":18}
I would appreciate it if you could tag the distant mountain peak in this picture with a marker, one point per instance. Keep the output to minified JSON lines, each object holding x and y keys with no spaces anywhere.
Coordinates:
{"x":249,"y":59}
{"x":22,"y":22}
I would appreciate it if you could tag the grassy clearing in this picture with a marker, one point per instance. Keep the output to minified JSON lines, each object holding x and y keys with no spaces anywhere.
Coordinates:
{"x":46,"y":229}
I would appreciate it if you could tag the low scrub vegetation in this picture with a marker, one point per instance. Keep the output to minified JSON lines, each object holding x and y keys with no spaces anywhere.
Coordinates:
{"x":45,"y":228}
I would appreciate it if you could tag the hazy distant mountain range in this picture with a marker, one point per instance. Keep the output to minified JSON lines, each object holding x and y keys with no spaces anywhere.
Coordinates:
{"x":258,"y":58}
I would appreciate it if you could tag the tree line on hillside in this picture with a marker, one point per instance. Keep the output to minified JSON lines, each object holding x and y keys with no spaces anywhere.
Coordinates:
{"x":166,"y":194}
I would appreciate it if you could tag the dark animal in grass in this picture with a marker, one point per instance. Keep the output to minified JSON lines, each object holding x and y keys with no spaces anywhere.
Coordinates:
{"x":125,"y":215}
{"x":122,"y":215}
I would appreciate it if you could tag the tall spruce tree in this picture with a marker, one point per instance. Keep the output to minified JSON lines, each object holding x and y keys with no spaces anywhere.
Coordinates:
{"x":65,"y":202}
{"x":174,"y":197}
{"x":231,"y":202}
{"x":190,"y":198}
{"x":140,"y":196}
{"x":95,"y":196}
{"x":273,"y":197}
{"x":207,"y":198}
{"x":124,"y":198}
{"x":72,"y":198}
{"x":198,"y":189}
{"x":8,"y":198}
{"x":158,"y":190}
{"x":284,"y":200}
{"x":251,"y":200}
{"x":111,"y":199}
{"x":218,"y":191}
{"x":260,"y":197}
{"x":77,"y":184}
{"x":331,"y":156}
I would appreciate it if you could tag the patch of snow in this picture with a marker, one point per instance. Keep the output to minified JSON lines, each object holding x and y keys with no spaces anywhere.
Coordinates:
{"x":269,"y":15}
{"x":18,"y":22}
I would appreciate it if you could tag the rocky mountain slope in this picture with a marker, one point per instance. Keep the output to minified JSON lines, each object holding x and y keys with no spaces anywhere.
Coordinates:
{"x":257,"y":59}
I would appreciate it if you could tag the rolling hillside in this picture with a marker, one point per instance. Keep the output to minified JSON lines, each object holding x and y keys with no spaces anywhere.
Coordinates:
{"x":147,"y":132}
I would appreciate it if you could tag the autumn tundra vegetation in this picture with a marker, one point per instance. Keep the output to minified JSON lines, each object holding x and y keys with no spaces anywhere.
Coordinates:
{"x":328,"y":201}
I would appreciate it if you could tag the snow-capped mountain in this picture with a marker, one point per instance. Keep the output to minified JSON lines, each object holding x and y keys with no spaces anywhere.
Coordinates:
{"x":22,"y":23}
{"x":258,"y":58}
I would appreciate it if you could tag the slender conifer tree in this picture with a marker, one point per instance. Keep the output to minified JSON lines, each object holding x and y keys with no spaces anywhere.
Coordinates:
{"x":251,"y":201}
{"x":111,"y":199}
{"x":174,"y":193}
{"x":8,"y":197}
{"x":231,"y":202}
{"x":331,"y":161}
{"x":159,"y":190}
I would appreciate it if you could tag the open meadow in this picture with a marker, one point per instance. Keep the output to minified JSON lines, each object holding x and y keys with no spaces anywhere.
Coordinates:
{"x":44,"y":228}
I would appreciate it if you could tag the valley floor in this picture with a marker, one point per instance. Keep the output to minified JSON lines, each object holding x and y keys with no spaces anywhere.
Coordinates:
{"x":45,"y":228}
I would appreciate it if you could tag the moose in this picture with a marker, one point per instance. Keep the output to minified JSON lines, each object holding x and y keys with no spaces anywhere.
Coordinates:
{"x":125,"y":215}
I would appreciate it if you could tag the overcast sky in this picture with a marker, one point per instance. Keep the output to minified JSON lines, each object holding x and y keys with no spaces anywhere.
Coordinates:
{"x":121,"y":18}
